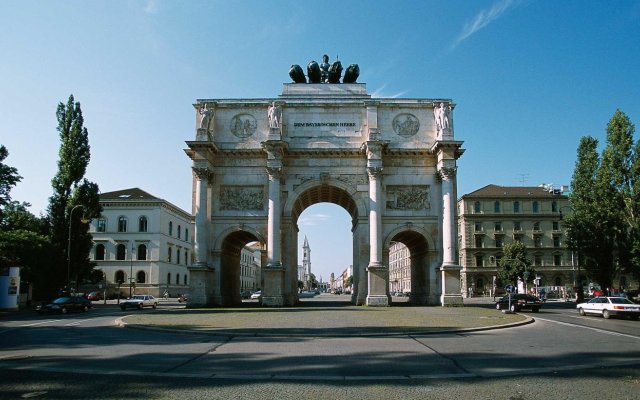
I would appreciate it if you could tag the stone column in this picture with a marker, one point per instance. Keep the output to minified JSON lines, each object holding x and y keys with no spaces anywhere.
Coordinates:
{"x":201,"y":274}
{"x":450,"y":270}
{"x":377,"y":271}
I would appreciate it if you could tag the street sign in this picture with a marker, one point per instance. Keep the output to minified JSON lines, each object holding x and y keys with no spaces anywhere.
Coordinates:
{"x":509,"y":288}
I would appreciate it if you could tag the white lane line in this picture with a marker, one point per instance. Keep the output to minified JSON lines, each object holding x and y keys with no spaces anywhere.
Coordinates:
{"x":41,"y":323}
{"x":590,"y":328}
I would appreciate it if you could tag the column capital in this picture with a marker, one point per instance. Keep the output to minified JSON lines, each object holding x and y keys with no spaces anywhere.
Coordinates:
{"x":447,"y":173}
{"x":203,"y":173}
{"x":375,"y":172}
{"x":275,"y":172}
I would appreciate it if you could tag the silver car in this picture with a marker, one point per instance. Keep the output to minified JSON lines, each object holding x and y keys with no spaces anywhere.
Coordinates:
{"x":139,"y":301}
{"x":608,"y":306}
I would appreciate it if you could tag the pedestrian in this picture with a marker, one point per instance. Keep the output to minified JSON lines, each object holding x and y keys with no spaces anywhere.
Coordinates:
{"x":166,"y":295}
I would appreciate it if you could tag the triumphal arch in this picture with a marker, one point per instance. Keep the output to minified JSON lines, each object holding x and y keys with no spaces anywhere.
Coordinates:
{"x":259,"y":163}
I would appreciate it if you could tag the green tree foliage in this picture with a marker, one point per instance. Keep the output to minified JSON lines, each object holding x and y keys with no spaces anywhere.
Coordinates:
{"x":8,"y":179}
{"x":514,"y":263}
{"x":603,"y":226}
{"x":70,"y":190}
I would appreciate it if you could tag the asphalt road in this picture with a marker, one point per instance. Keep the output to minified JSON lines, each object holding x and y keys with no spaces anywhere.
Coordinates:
{"x":561,"y":354}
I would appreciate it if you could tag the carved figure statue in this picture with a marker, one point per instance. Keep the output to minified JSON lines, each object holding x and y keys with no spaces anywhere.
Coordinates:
{"x":441,"y":115}
{"x":296,"y":73}
{"x":275,"y":115}
{"x":313,"y":72}
{"x":324,"y":69}
{"x":351,"y":74}
{"x":335,"y":72}
{"x":205,"y":117}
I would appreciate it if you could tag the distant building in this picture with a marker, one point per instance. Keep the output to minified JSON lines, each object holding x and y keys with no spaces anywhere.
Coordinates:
{"x":399,"y":268}
{"x":142,"y":242}
{"x":493,"y":216}
{"x":250,"y":267}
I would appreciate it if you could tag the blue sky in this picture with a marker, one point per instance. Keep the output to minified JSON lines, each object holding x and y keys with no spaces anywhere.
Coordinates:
{"x":529,"y":79}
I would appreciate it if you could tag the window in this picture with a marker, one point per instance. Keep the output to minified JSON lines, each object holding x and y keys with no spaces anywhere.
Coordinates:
{"x":142,"y":224}
{"x":121,"y":251}
{"x":186,"y":259}
{"x":499,"y":242}
{"x":480,"y":284}
{"x":556,"y":241}
{"x":556,"y":226}
{"x":140,"y":277}
{"x":496,"y":207}
{"x":168,"y":278}
{"x":185,"y":279}
{"x":479,"y":242}
{"x":170,"y":228}
{"x":479,"y":261}
{"x":169,"y":254}
{"x":478,"y":226}
{"x":142,"y":252}
{"x":516,"y":206}
{"x":557,"y":260}
{"x":536,"y":226}
{"x":177,"y":279}
{"x":178,"y":256}
{"x":477,"y":209}
{"x":554,"y":206}
{"x":537,"y":260}
{"x":517,"y":226}
{"x":537,"y":241}
{"x":102,"y":225}
{"x":497,"y":227}
{"x":558,"y":281}
{"x":122,"y":224}
{"x":536,"y":207}
{"x":186,"y":234}
{"x":179,"y":231}
{"x":100,"y":252}
{"x":120,"y":277}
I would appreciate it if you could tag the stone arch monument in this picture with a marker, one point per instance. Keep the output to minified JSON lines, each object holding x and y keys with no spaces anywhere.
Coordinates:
{"x":259,"y":163}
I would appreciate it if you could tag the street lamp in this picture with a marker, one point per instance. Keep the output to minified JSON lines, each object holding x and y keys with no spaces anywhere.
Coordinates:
{"x":131,"y":270}
{"x":69,"y":244}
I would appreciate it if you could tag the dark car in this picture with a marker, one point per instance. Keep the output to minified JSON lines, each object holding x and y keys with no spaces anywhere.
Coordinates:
{"x":519,"y":301}
{"x":93,"y":296}
{"x":65,"y":304}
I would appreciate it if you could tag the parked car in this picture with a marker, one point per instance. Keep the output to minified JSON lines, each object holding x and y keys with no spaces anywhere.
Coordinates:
{"x":139,"y":301}
{"x":182,"y":298}
{"x":518,"y":302}
{"x":93,"y":296}
{"x":65,"y":304}
{"x":608,"y":306}
{"x":245,"y":294}
{"x":256,"y":295}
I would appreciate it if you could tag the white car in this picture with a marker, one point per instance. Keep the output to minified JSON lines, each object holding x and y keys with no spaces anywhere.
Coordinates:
{"x":139,"y":301}
{"x":608,"y":306}
{"x":256,"y":295}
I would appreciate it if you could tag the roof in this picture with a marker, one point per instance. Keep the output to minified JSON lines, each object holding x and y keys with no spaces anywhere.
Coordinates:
{"x":496,"y":191}
{"x":128,"y":194}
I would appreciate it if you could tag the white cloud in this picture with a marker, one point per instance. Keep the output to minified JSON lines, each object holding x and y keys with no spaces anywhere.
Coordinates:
{"x":313,"y":219}
{"x":484,"y":18}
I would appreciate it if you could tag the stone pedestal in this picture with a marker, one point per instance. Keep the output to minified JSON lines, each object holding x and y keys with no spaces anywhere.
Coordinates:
{"x":272,"y":295}
{"x":377,"y":295}
{"x":451,"y":295}
{"x":201,"y":286}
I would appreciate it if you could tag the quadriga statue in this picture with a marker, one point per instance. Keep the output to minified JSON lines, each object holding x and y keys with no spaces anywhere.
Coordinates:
{"x":296,"y":73}
{"x":351,"y":74}
{"x":313,"y":72}
{"x":335,"y":72}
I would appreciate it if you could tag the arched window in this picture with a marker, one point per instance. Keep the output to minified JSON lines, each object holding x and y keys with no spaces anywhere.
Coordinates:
{"x":186,"y":234}
{"x":186,"y":258}
{"x":496,"y":207}
{"x":122,"y":224}
{"x":536,"y":207}
{"x":121,"y":251}
{"x":185,"y":279}
{"x":516,"y":206}
{"x":170,"y":228}
{"x":99,"y":252}
{"x":142,"y":224}
{"x":169,"y":254}
{"x":142,"y":252}
{"x":177,"y":279}
{"x":168,"y":278}
{"x":140,"y":277}
{"x":178,"y":256}
{"x":120,"y":277}
{"x":480,"y":284}
{"x":179,"y":231}
{"x":477,"y":209}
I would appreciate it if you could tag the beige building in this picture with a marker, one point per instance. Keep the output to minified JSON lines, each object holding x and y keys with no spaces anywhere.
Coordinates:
{"x":493,"y":216}
{"x":142,"y":243}
{"x":399,"y":268}
{"x":250,"y":268}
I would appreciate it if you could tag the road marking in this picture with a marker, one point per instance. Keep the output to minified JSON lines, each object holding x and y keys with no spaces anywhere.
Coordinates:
{"x":43,"y":322}
{"x":590,"y":328}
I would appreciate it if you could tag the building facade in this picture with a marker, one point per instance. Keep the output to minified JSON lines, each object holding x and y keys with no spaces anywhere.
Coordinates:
{"x":259,"y":163}
{"x":493,"y":216}
{"x":250,"y":268}
{"x":142,"y":244}
{"x":399,"y":268}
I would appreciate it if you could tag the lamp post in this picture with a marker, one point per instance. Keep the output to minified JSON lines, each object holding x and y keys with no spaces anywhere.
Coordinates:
{"x":69,"y":246}
{"x":131,"y":271}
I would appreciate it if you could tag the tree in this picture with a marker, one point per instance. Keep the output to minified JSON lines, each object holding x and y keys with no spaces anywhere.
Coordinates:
{"x":69,"y":191}
{"x":8,"y":179}
{"x":603,"y":226}
{"x":514,"y":264}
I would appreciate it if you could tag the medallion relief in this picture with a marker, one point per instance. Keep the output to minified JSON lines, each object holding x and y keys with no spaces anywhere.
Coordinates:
{"x":406,"y":124}
{"x":243,"y":125}
{"x":242,"y":198}
{"x":412,"y":198}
